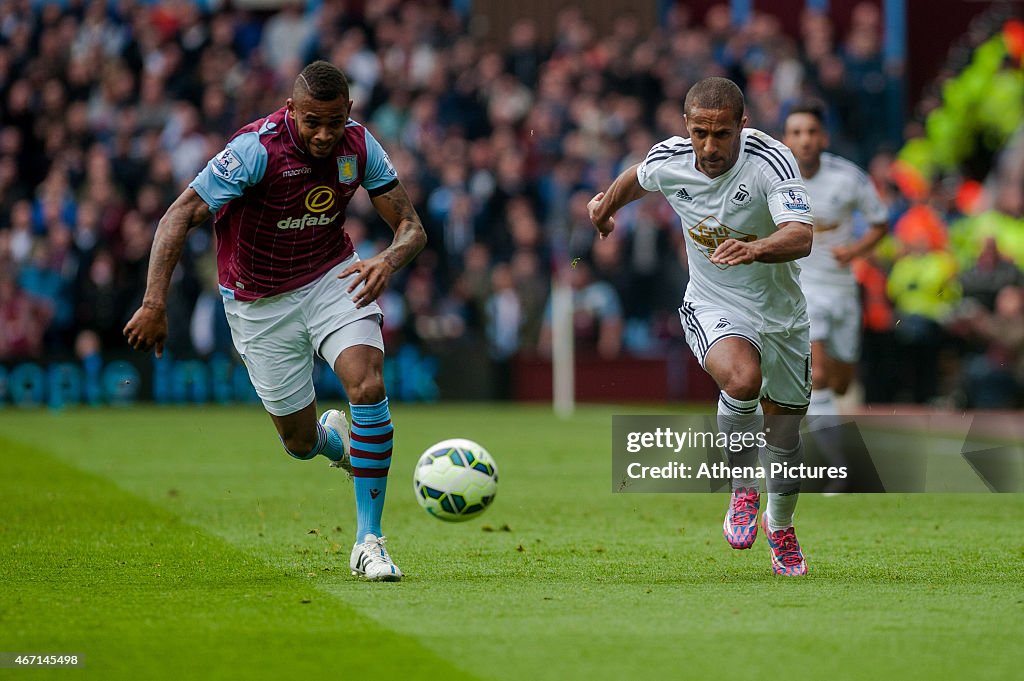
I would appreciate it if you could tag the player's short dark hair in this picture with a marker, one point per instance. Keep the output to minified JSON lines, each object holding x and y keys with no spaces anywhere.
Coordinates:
{"x":715,"y":93}
{"x":810,"y":106}
{"x":322,"y":81}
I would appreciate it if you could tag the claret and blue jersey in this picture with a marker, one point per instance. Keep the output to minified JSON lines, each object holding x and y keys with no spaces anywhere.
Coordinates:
{"x":279,"y":211}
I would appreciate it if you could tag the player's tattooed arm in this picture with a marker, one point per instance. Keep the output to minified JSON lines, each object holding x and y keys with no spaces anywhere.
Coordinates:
{"x":188,"y":210}
{"x":395,"y":207}
{"x":148,"y":326}
{"x":791,"y":241}
{"x":397,"y":210}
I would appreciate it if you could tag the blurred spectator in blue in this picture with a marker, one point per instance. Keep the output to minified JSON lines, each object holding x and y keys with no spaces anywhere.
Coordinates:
{"x":504,"y":326}
{"x":288,"y":37}
{"x":597,"y":316}
{"x":531,"y":283}
{"x":994,"y":371}
{"x":44,"y":279}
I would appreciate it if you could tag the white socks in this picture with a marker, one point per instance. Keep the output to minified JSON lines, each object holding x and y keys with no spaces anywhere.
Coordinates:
{"x":740,"y":416}
{"x":783,"y":492}
{"x":823,"y":426}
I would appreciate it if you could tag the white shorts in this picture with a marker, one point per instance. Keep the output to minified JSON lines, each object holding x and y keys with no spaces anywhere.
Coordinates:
{"x":278,"y":336}
{"x":785,"y":355}
{"x":836,"y":320}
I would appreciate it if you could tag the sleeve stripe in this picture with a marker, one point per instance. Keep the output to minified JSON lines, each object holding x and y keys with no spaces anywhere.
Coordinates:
{"x":662,"y":151}
{"x":662,"y":146}
{"x":774,"y":153}
{"x":383,"y":189}
{"x":667,"y":154}
{"x":768,"y":160}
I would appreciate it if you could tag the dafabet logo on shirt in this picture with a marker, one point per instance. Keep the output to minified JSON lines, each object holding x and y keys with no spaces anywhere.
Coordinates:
{"x":319,"y":200}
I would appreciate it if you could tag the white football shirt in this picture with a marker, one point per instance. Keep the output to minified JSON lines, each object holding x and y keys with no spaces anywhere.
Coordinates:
{"x":837,"y":190}
{"x":763,"y":190}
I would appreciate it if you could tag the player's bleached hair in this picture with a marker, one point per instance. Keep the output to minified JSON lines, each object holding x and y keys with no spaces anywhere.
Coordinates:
{"x":715,"y":93}
{"x":810,"y":106}
{"x":322,"y":81}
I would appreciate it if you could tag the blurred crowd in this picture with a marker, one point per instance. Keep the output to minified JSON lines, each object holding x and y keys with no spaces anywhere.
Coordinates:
{"x":109,"y":109}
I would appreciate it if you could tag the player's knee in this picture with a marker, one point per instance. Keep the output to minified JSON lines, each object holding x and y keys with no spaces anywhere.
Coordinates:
{"x":839,"y":388}
{"x":840,"y":381}
{"x":367,"y":391}
{"x":743,"y":383}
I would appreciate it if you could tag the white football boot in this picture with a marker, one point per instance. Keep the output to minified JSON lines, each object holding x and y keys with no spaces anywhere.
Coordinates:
{"x":333,"y":418}
{"x":371,"y":560}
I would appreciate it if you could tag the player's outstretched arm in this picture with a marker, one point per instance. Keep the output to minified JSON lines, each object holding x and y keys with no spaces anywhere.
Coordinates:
{"x":625,"y":189}
{"x":791,"y":241}
{"x":867,"y":243}
{"x":397,"y":210}
{"x":148,"y":326}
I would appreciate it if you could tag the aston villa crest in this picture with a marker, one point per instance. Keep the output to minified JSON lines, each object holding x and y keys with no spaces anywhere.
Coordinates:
{"x":348,"y":170}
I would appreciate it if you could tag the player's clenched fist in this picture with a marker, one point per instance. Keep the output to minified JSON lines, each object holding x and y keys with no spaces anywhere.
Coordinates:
{"x":147,"y":329}
{"x":604,"y":225}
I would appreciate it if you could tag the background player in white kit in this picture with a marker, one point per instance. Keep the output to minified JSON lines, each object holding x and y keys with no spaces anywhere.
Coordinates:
{"x":745,"y":213}
{"x":838,"y":189}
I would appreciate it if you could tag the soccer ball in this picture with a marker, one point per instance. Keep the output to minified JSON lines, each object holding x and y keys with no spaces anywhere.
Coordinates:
{"x":455,"y":480}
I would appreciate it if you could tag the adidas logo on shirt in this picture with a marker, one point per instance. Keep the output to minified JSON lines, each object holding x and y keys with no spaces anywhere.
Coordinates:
{"x":684,"y":195}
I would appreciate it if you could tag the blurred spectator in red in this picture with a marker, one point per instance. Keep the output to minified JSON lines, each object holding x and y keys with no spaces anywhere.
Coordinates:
{"x":879,"y":368}
{"x":22,"y":323}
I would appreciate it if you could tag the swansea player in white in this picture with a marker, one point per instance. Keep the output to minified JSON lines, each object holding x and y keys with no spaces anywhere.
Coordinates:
{"x":746,"y":216}
{"x":838,"y":189}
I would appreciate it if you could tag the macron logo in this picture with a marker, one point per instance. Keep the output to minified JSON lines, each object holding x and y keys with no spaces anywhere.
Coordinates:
{"x":374,"y":493}
{"x":684,"y":195}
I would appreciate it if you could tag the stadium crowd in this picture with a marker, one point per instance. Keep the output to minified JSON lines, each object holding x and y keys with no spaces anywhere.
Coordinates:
{"x":108,"y":109}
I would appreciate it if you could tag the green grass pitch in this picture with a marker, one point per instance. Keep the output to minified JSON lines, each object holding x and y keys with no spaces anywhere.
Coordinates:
{"x":182,"y":543}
